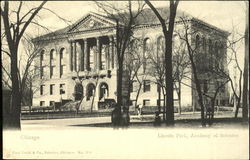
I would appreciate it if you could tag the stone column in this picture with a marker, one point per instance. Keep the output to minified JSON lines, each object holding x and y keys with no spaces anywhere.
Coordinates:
{"x":74,"y":56}
{"x":71,"y":57}
{"x":81,"y":56}
{"x":98,"y":54}
{"x":78,"y":56}
{"x":86,"y":55}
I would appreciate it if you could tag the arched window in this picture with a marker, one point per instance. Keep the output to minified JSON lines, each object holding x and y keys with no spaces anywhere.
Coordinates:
{"x":197,"y":42}
{"x":146,"y":47}
{"x":160,"y":45}
{"x":42,"y":54}
{"x":103,"y":91}
{"x":62,"y":65}
{"x":52,"y":64}
{"x":146,"y":52}
{"x":78,"y":91}
{"x":204,"y":45}
{"x":90,"y":91}
{"x":52,"y":54}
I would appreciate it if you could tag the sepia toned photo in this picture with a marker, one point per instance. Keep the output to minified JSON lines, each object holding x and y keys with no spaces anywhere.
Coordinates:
{"x":129,"y":79}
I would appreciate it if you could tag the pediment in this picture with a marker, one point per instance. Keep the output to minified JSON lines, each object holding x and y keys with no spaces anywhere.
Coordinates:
{"x":91,"y":22}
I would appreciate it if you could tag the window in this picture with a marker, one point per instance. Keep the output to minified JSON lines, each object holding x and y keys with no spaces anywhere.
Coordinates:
{"x":42,"y":103}
{"x":62,"y":52}
{"x":62,"y":68}
{"x":42,"y":72}
{"x":52,"y":52}
{"x":161,"y":44}
{"x":146,"y":102}
{"x":197,"y":42}
{"x":42,"y":55}
{"x":52,"y":87}
{"x":52,"y":71}
{"x":42,"y":89}
{"x":146,"y":85}
{"x":51,"y":103}
{"x":204,"y":44}
{"x":146,"y":51}
{"x":62,"y":88}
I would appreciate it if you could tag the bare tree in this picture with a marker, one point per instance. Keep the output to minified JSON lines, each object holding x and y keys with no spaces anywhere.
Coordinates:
{"x":191,"y":51}
{"x":134,"y":62}
{"x":168,"y":34}
{"x":125,"y":25}
{"x":14,"y":31}
{"x":211,"y":66}
{"x":181,"y":65}
{"x":246,"y":68}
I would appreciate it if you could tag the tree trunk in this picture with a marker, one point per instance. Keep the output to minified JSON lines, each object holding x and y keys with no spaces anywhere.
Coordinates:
{"x":237,"y":107}
{"x":164,"y":105}
{"x":30,"y":104}
{"x":179,"y":96}
{"x":169,"y":82}
{"x":159,"y":100}
{"x":246,"y":69}
{"x":137,"y":95}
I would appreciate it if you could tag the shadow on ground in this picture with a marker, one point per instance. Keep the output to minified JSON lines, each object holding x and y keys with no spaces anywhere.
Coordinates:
{"x":183,"y":123}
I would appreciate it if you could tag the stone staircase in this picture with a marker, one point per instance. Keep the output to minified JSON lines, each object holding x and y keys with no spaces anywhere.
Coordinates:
{"x":86,"y":104}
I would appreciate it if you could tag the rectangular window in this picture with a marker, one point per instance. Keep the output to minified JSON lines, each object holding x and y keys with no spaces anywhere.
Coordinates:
{"x":146,"y":85}
{"x":146,"y":102}
{"x":41,"y":89}
{"x":42,"y":103}
{"x":51,"y":103}
{"x":52,"y":87}
{"x":62,"y":88}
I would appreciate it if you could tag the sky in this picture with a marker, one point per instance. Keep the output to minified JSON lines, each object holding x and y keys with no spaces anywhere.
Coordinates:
{"x":220,"y":14}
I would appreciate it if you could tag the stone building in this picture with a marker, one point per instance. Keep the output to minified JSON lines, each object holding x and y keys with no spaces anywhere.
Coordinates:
{"x":79,"y":61}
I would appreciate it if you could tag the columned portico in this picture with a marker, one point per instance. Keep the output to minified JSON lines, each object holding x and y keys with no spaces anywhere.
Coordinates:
{"x":93,"y":54}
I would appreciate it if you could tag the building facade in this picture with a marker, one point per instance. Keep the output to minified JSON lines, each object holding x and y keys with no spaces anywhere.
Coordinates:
{"x":79,"y":62}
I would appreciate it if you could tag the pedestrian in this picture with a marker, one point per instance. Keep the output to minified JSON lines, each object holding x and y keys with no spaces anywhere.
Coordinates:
{"x":157,"y":121}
